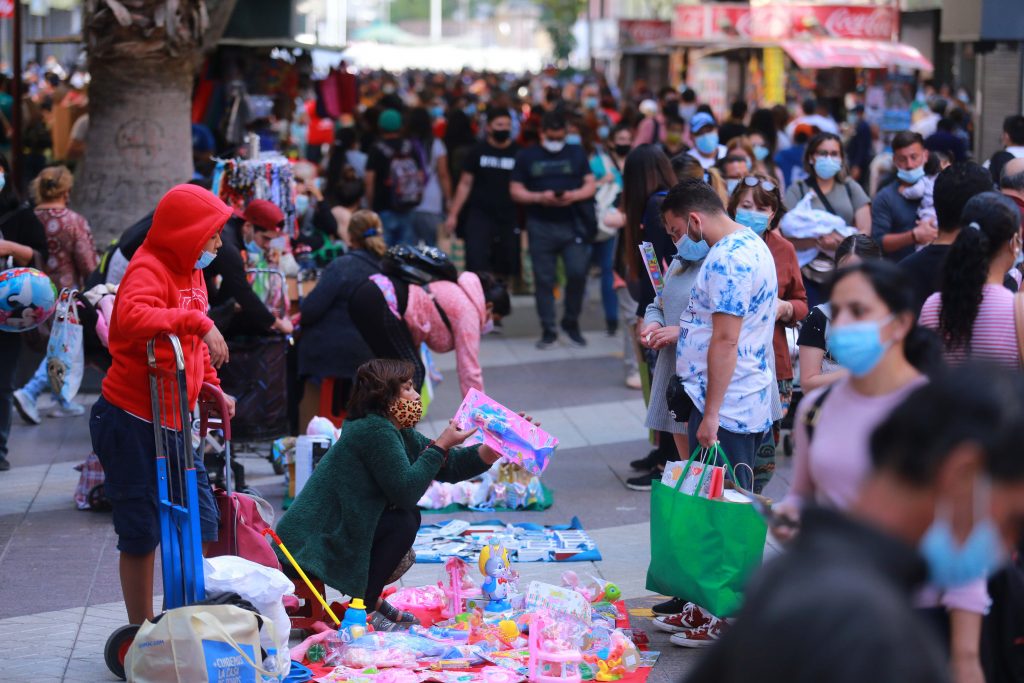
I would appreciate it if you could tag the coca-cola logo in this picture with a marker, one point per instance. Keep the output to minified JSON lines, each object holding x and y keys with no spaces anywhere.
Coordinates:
{"x":6,"y":9}
{"x":643,"y":32}
{"x":846,"y":22}
{"x":689,"y":22}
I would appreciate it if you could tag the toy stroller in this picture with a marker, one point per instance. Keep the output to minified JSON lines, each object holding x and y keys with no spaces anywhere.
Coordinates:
{"x":181,"y":553}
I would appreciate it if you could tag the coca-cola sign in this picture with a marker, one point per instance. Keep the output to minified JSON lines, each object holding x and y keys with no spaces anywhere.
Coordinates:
{"x":689,"y":22}
{"x":724,"y":22}
{"x":7,"y":9}
{"x":643,"y":32}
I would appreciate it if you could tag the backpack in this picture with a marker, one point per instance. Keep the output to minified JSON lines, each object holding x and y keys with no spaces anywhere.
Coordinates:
{"x":406,"y":179}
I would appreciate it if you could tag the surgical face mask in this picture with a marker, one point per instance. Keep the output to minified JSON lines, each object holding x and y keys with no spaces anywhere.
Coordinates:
{"x":826,"y":168}
{"x":301,"y":203}
{"x":760,"y":152}
{"x":602,"y":132}
{"x":554,"y":146}
{"x":573,"y":139}
{"x":470,"y":110}
{"x":688,"y":250}
{"x":707,"y":143}
{"x":953,"y":564}
{"x":205,"y":259}
{"x":501,"y":136}
{"x":858,"y":347}
{"x":686,"y":111}
{"x":253,"y":248}
{"x":910,"y":176}
{"x":488,"y":326}
{"x":407,"y":412}
{"x":3,"y":181}
{"x":755,"y":220}
{"x":437,"y":112}
{"x":731,"y":183}
{"x":591,"y":103}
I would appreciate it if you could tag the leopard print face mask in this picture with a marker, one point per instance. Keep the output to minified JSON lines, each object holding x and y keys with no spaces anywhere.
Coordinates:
{"x":407,"y":412}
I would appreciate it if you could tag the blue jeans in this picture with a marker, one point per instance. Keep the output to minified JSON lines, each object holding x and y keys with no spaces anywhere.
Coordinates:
{"x":398,"y":227}
{"x":604,"y":256}
{"x":739,"y":448}
{"x":10,"y":349}
{"x":40,"y":383}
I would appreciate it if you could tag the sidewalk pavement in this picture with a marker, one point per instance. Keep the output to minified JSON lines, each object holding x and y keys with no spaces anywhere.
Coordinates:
{"x":60,"y":597}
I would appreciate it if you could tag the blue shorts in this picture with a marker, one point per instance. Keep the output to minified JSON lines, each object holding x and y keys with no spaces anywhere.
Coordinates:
{"x":126,"y":448}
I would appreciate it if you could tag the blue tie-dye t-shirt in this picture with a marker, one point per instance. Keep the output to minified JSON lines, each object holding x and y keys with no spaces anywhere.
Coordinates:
{"x":737,"y":278}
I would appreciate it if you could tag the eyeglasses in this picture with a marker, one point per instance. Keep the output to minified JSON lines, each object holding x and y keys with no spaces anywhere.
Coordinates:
{"x":754,"y":181}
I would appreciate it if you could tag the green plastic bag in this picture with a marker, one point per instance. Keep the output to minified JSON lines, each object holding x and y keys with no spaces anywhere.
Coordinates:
{"x":703,"y":550}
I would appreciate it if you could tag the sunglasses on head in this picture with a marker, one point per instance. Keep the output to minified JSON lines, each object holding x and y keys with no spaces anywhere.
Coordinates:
{"x":754,"y":181}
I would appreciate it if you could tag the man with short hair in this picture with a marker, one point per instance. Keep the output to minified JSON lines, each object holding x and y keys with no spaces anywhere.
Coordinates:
{"x":391,"y":194}
{"x":556,"y":184}
{"x":1013,"y":146}
{"x":706,"y":147}
{"x":489,"y":222}
{"x":894,"y":222}
{"x":953,"y":187}
{"x":1012,"y":182}
{"x":734,"y":126}
{"x":725,"y":333}
{"x":675,"y":132}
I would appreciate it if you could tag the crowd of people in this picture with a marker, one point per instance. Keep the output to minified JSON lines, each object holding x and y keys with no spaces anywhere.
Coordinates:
{"x":818,"y":274}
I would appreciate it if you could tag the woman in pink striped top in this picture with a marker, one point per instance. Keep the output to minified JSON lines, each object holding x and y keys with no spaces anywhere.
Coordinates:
{"x":973,"y":311}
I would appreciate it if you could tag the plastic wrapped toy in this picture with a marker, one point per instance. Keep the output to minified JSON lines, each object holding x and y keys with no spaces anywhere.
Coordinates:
{"x":517,"y":439}
{"x":594,"y":590}
{"x":554,"y":650}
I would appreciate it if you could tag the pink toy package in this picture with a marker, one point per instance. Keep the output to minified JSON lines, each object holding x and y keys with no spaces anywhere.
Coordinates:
{"x":515,"y":438}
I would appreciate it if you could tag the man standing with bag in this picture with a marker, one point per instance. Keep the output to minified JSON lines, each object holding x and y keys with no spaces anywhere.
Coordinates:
{"x":725,"y":334}
{"x":556,"y":184}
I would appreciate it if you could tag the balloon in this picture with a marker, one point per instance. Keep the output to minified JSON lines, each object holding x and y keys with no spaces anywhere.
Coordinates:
{"x":27,"y":298}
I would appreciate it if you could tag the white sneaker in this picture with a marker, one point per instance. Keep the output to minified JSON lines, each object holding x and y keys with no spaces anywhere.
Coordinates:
{"x":26,"y":407}
{"x":634,"y":381}
{"x":70,"y":410}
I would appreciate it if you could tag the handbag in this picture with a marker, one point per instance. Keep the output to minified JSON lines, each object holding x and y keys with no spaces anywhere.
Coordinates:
{"x":703,"y":550}
{"x":197,"y":644}
{"x":65,"y":357}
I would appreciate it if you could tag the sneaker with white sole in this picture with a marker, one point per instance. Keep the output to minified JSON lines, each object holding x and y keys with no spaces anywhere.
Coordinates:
{"x":70,"y":410}
{"x":27,"y":407}
{"x":693,"y":616}
{"x":703,"y":636}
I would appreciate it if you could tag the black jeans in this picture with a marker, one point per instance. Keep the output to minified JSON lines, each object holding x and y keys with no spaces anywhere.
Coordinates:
{"x":396,"y":531}
{"x":492,"y":244}
{"x":548,"y":241}
{"x":10,"y":349}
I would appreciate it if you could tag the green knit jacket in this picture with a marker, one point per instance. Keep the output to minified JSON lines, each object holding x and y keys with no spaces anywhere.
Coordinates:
{"x":329,"y":527}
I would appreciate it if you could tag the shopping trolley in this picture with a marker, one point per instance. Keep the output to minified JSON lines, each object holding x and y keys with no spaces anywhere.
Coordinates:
{"x":181,"y":553}
{"x":213,"y":415}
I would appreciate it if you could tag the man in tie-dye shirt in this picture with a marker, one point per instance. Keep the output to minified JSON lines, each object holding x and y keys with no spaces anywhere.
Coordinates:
{"x":725,"y":334}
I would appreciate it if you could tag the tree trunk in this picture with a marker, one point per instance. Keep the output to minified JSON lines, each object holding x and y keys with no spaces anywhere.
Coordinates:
{"x":139,"y":143}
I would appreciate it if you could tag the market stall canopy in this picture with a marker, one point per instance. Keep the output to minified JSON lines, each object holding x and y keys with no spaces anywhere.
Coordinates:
{"x":859,"y":54}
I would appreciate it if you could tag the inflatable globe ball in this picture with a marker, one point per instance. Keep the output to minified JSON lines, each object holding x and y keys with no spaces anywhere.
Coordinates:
{"x":27,"y":298}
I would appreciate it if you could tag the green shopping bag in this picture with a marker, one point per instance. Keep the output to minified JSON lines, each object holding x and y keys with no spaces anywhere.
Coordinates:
{"x":703,"y":550}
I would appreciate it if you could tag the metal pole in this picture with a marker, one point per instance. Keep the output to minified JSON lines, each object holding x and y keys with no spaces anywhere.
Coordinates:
{"x":16,"y":147}
{"x":435,"y":21}
{"x":590,"y":39}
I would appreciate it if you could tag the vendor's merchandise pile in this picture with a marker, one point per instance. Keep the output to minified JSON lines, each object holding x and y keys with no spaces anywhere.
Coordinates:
{"x":239,"y":181}
{"x":505,"y":486}
{"x":524,"y":542}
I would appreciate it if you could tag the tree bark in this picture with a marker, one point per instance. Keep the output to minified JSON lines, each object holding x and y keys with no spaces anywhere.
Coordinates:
{"x":139,"y":143}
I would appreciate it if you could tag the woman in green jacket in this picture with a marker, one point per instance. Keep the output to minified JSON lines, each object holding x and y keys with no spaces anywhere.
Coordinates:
{"x":356,"y":517}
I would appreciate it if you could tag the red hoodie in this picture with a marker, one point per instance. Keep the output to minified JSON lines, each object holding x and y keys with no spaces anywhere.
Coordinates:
{"x":163,"y":292}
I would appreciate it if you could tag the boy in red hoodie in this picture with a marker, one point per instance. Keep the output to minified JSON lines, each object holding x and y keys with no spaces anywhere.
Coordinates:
{"x":163,"y":291}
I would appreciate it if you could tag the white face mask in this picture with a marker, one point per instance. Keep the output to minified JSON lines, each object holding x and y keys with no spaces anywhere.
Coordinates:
{"x":554,"y":146}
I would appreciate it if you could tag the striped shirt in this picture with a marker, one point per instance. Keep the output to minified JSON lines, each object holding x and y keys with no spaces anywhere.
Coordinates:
{"x":994,"y":337}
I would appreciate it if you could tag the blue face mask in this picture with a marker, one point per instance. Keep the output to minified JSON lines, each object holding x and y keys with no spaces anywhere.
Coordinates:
{"x":3,"y":181}
{"x":205,"y":259}
{"x":470,"y":111}
{"x":731,"y":183}
{"x":707,"y":143}
{"x":760,"y":152}
{"x":573,"y":139}
{"x":912,"y":176}
{"x":301,"y":203}
{"x":755,"y":220}
{"x":953,"y":564}
{"x":826,"y":167}
{"x":253,"y":248}
{"x":688,"y":250}
{"x":602,"y":132}
{"x":437,"y":112}
{"x":591,"y":103}
{"x":858,"y":347}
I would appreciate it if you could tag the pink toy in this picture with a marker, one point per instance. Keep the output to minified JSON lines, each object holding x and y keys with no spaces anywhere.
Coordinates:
{"x":552,"y":659}
{"x":460,"y":587}
{"x":518,"y":440}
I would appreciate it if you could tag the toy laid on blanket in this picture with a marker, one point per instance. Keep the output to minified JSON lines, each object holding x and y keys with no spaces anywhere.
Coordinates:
{"x":495,"y":566}
{"x":516,"y":438}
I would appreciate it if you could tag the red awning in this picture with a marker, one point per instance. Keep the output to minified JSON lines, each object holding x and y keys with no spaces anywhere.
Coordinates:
{"x":828,"y":53}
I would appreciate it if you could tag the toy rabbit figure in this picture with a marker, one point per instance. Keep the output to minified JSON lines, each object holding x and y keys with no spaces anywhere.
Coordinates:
{"x":494,"y":566}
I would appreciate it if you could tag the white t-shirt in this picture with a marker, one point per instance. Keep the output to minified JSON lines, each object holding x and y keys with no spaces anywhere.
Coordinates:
{"x":737,"y":278}
{"x":705,"y":162}
{"x":433,"y":198}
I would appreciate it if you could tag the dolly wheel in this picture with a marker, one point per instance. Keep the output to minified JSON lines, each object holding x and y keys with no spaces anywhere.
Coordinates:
{"x":116,"y":649}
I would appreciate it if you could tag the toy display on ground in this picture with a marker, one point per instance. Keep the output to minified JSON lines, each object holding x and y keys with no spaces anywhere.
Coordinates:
{"x":491,"y":633}
{"x":524,"y":542}
{"x":505,"y":486}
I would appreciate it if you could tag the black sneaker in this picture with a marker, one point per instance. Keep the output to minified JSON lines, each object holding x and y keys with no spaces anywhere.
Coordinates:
{"x":5,"y":464}
{"x":547,"y":341}
{"x":644,"y":481}
{"x":612,"y":327}
{"x":646,"y":463}
{"x":573,"y":332}
{"x":673,"y":606}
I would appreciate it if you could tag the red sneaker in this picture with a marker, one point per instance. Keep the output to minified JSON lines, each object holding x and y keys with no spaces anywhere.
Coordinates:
{"x":693,"y":616}
{"x":702,"y":636}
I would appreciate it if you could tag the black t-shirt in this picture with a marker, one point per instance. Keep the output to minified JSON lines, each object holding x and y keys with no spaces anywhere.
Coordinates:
{"x":18,"y":223}
{"x":813,"y":331}
{"x":491,"y":169}
{"x":539,"y":171}
{"x":380,"y":163}
{"x":924,"y":269}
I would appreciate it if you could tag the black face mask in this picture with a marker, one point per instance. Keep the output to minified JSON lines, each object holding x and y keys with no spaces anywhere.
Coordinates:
{"x":501,"y":136}
{"x":622,"y":150}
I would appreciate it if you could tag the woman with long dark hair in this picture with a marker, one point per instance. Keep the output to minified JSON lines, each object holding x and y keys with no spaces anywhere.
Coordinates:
{"x":646,"y":178}
{"x":22,"y":243}
{"x":973,"y":312}
{"x":427,"y":217}
{"x":764,"y":138}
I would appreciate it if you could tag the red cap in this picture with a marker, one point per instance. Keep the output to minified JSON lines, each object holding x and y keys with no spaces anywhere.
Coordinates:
{"x":264,"y":215}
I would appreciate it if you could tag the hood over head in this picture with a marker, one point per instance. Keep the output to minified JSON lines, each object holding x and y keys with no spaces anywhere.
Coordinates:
{"x":186,"y":217}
